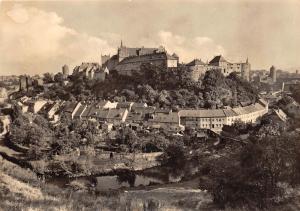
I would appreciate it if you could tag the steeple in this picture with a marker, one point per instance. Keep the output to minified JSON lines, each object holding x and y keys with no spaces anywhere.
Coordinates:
{"x":121,"y":44}
{"x":247,"y":60}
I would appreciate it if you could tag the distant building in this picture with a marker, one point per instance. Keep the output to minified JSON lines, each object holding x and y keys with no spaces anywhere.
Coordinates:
{"x":293,"y":108}
{"x":92,"y":70}
{"x":219,"y":62}
{"x":35,"y":106}
{"x":124,"y":52}
{"x":129,"y":59}
{"x":104,"y":59}
{"x":130,"y":64}
{"x":273,"y":73}
{"x":165,"y":120}
{"x":125,"y":105}
{"x":197,"y":68}
{"x":25,"y":82}
{"x":100,"y":74}
{"x":215,"y":119}
{"x":65,"y":71}
{"x":38,"y":82}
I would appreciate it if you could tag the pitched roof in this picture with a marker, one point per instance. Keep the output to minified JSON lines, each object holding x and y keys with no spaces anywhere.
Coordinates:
{"x":116,"y":113}
{"x":69,"y":107}
{"x":195,"y":62}
{"x":137,"y":51}
{"x":135,"y":116}
{"x":80,"y":110}
{"x":88,"y":110}
{"x":248,"y":109}
{"x":202,"y":113}
{"x":229,"y":112}
{"x":124,"y":104}
{"x":217,"y":59}
{"x":139,"y":105}
{"x":148,"y":58}
{"x":165,"y":118}
{"x":101,"y":104}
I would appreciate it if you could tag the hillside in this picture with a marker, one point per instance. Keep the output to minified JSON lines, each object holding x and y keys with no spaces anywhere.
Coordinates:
{"x":166,"y":88}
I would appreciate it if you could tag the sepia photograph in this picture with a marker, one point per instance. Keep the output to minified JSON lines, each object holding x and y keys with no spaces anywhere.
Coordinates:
{"x":149,"y":105}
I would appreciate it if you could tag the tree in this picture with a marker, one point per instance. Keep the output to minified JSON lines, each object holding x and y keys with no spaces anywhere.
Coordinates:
{"x":48,"y":78}
{"x":251,"y":177}
{"x":174,"y":156}
{"x":58,"y":77}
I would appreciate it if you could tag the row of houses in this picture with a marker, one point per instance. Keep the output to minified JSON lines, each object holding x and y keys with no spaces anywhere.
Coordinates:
{"x":141,"y":115}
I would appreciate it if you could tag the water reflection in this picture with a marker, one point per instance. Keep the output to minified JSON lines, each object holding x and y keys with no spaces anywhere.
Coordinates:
{"x":117,"y":182}
{"x":130,"y":179}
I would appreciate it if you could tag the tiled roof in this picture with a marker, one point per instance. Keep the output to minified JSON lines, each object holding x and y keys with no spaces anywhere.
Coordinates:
{"x":80,"y":110}
{"x":137,"y":51}
{"x":116,"y":113}
{"x":165,"y":118}
{"x":98,"y":113}
{"x":217,"y":59}
{"x":147,"y":58}
{"x":135,"y":116}
{"x":202,"y":113}
{"x":248,"y":109}
{"x":124,"y":104}
{"x":69,"y":107}
{"x":101,"y":104}
{"x":229,"y":112}
{"x":139,"y":105}
{"x":87,"y":111}
{"x":195,"y":62}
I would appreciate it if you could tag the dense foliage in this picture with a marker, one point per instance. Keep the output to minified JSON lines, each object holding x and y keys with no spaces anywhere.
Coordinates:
{"x":257,"y":175}
{"x":296,"y":92}
{"x":160,"y":87}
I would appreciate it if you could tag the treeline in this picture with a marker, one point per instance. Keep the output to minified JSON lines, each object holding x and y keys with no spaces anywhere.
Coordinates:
{"x":157,"y":86}
{"x":262,"y":173}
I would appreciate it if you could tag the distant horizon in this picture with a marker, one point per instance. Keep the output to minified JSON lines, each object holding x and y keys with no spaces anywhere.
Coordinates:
{"x":41,"y":36}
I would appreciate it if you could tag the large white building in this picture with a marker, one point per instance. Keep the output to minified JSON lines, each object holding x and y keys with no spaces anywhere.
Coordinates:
{"x":215,"y":119}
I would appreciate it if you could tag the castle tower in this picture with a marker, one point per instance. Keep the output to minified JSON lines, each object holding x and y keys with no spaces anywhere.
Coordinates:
{"x":23,"y":83}
{"x":273,"y":74}
{"x":104,"y":59}
{"x":245,"y":70}
{"x":65,"y":71}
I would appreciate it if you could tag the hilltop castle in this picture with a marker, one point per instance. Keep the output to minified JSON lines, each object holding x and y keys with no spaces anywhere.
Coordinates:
{"x":198,"y":67}
{"x":129,"y":59}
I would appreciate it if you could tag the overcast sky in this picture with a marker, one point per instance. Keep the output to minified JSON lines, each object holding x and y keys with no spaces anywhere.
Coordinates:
{"x":40,"y":36}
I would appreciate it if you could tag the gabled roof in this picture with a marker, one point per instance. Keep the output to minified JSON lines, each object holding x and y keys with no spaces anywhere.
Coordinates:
{"x":80,"y":110}
{"x":139,"y":105}
{"x":87,"y":111}
{"x":195,"y":62}
{"x":101,"y":104}
{"x":124,"y":104}
{"x":135,"y":116}
{"x":217,"y":59}
{"x":116,"y":113}
{"x":69,"y":107}
{"x":165,"y":118}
